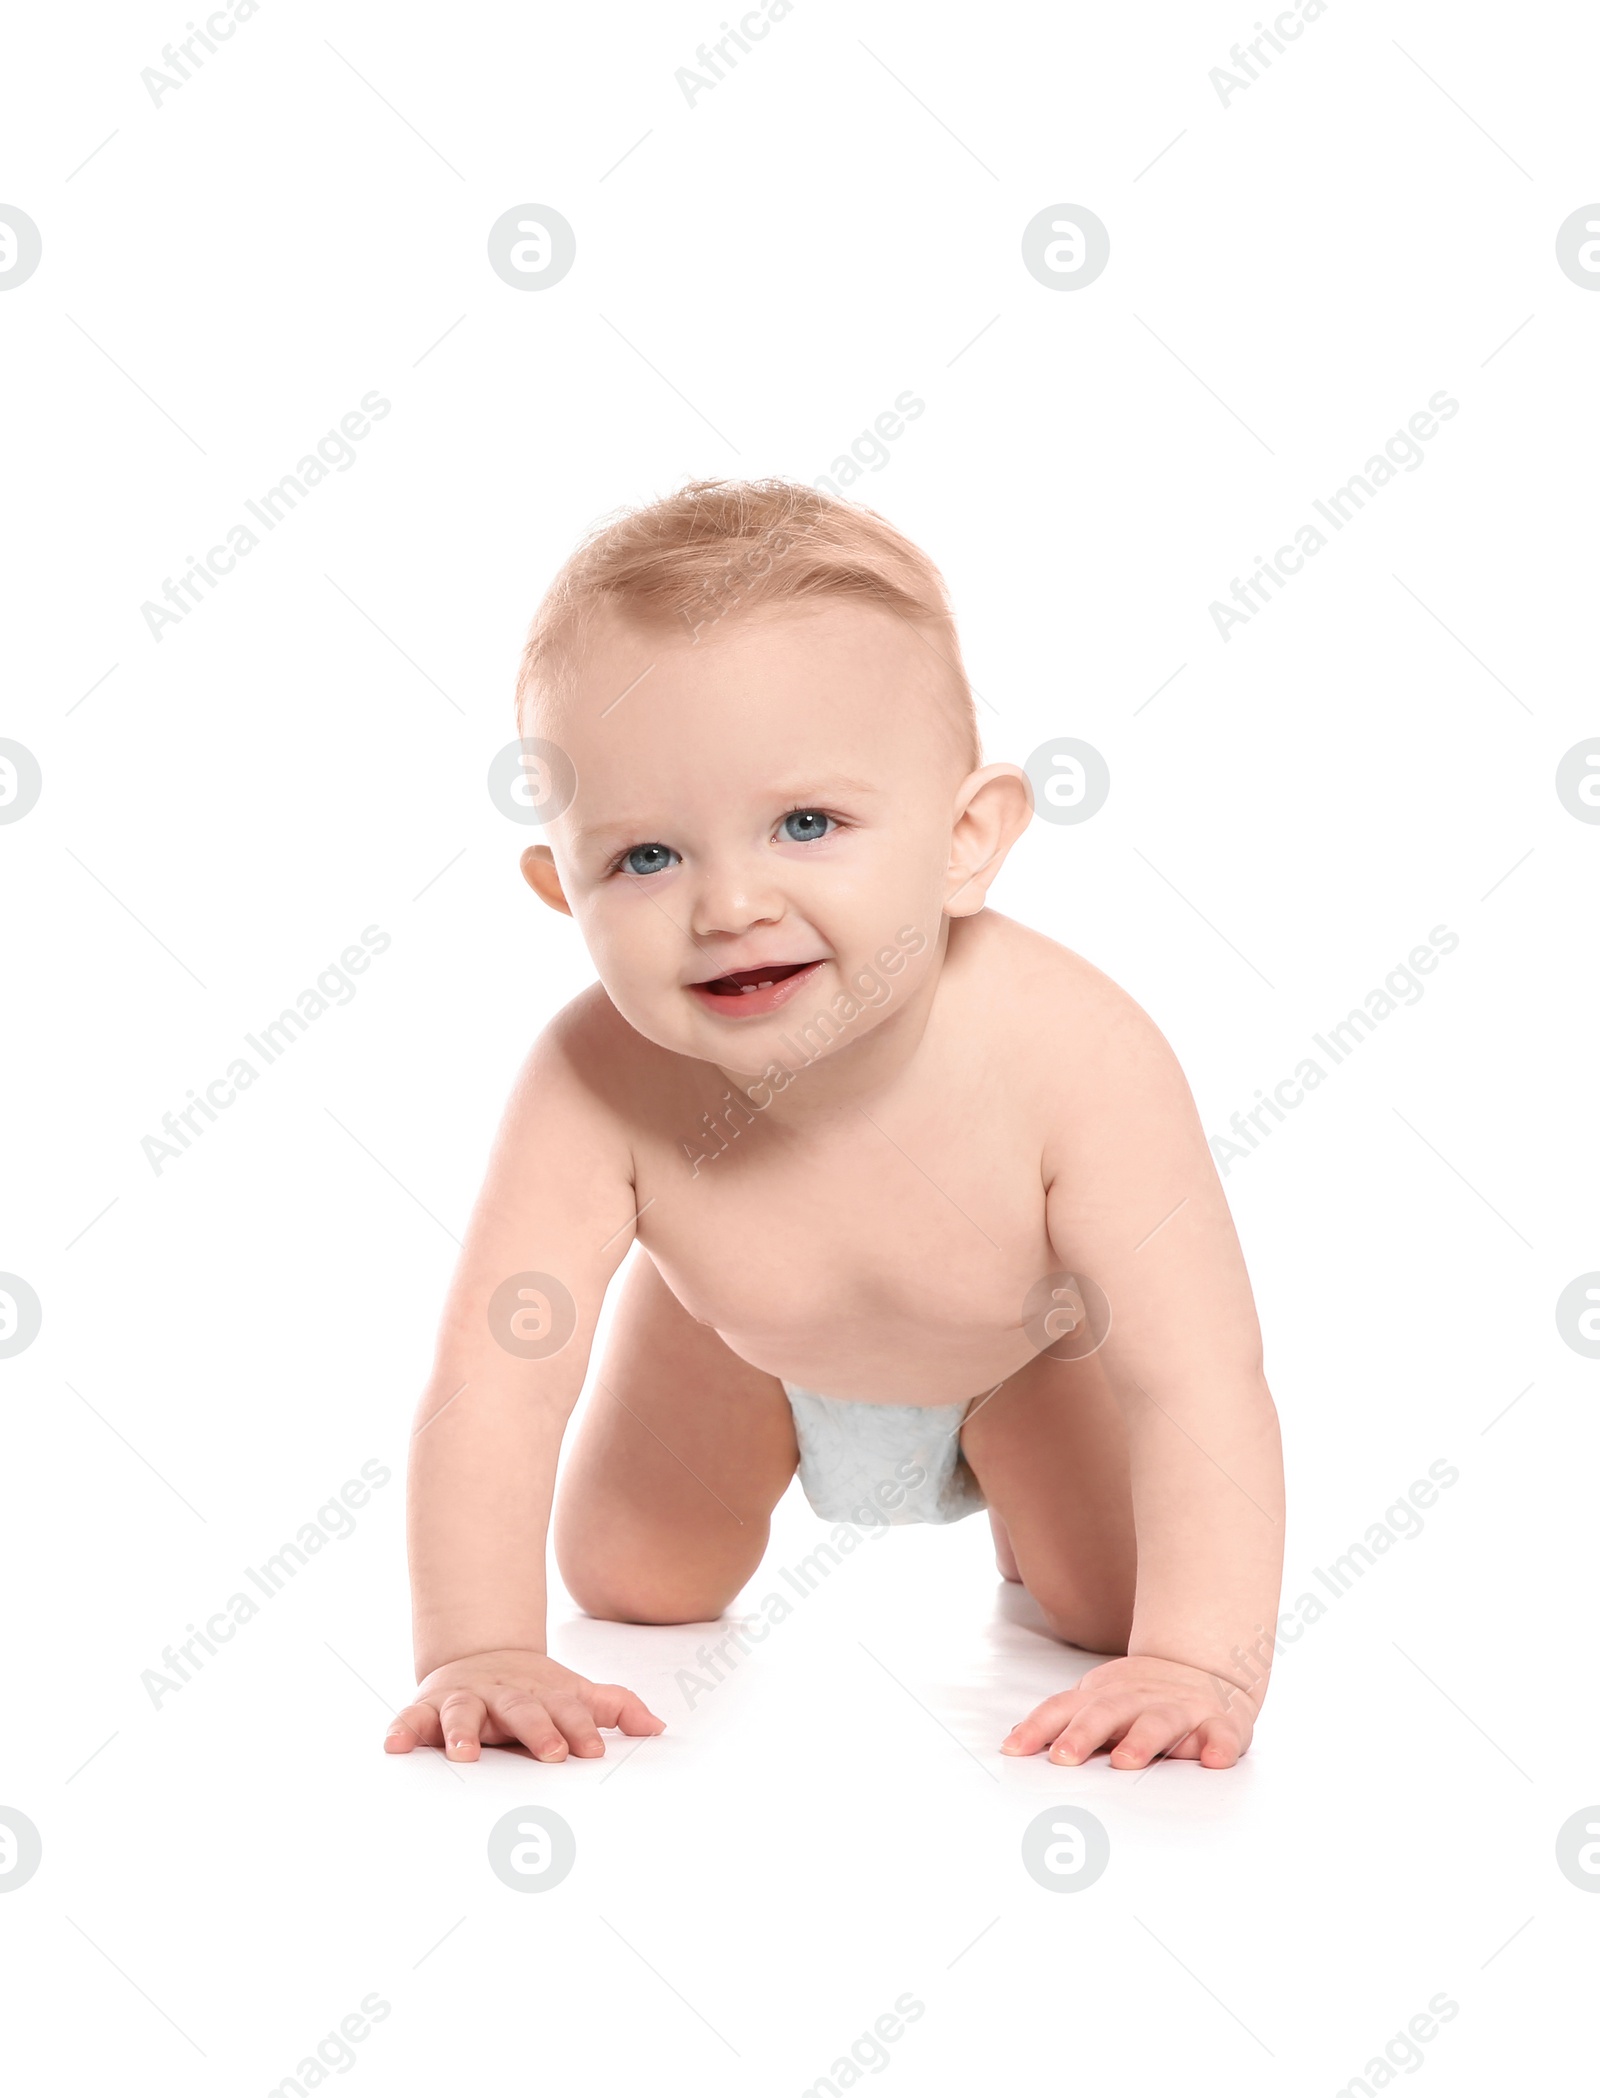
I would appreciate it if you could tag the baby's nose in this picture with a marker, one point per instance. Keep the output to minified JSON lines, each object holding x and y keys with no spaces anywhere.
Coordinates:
{"x":732,"y":895}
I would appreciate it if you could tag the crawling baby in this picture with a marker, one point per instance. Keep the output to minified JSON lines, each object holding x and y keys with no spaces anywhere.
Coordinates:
{"x":918,"y":1200}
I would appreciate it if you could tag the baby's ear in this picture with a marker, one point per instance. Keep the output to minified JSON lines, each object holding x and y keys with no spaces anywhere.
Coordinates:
{"x":539,"y":872}
{"x":994,"y":806}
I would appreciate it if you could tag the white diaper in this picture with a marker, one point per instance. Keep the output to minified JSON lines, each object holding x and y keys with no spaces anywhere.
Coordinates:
{"x":865,"y":1463}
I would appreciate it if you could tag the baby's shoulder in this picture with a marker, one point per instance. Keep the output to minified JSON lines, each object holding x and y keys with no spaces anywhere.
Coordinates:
{"x":589,"y":1039}
{"x":1086,"y":1061}
{"x":1066,"y":1006}
{"x":590,"y":1054}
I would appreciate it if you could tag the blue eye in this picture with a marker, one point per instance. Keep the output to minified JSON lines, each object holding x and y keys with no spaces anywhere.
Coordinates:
{"x":801,"y":826}
{"x":648,"y":859}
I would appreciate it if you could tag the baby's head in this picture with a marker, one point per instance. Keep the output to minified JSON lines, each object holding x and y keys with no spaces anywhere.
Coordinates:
{"x":760,"y":693}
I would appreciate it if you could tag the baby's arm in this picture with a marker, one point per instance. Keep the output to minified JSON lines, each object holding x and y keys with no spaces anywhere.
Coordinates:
{"x":557,"y":1202}
{"x":1135,"y":1203}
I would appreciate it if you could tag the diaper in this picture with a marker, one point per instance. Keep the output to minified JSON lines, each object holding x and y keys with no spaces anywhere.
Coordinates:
{"x":865,"y":1463}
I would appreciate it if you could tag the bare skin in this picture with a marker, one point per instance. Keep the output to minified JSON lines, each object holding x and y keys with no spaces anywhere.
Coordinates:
{"x":985,"y":1110}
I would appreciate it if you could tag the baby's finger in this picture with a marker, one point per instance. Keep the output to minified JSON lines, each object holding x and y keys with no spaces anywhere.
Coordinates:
{"x":1090,"y":1729}
{"x":1042,"y":1724}
{"x":614,"y":1706}
{"x":416,"y":1727}
{"x":1220,"y":1744}
{"x":461,"y":1718}
{"x":526,"y":1720}
{"x":1187,"y":1750}
{"x":576,"y":1722}
{"x":1156,"y":1730}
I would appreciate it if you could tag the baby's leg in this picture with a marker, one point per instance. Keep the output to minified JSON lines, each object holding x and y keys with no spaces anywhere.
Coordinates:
{"x":1004,"y":1557}
{"x":1051,"y":1454}
{"x":680,"y":1456}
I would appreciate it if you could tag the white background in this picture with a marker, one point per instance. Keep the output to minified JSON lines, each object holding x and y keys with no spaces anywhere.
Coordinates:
{"x":223,"y":277}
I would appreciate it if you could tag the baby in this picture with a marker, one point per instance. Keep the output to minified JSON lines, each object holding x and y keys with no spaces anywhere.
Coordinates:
{"x":921,"y":1200}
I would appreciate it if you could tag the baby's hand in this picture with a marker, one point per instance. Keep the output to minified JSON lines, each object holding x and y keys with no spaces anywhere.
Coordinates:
{"x":514,"y":1695}
{"x":1147,"y":1708}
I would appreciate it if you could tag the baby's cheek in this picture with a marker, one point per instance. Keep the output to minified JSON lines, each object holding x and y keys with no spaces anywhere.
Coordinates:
{"x":868,"y":985}
{"x":640,"y":948}
{"x":639,"y":972}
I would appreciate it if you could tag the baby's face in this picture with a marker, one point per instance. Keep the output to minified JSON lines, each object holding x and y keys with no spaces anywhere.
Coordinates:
{"x":762,"y":827}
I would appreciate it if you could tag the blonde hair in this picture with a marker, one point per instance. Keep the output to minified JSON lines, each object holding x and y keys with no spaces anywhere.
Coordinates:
{"x":717,"y":547}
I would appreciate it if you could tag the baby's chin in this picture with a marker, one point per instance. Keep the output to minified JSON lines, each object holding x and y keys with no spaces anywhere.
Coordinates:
{"x":742,"y":1050}
{"x":785,"y":1024}
{"x":663,"y":1019}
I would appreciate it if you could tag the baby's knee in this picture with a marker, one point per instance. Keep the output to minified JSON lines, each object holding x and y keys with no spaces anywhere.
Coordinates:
{"x":641,"y":1594}
{"x":648,"y":1607}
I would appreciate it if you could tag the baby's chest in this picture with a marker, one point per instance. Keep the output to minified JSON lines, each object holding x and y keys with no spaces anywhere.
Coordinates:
{"x":922,"y":1228}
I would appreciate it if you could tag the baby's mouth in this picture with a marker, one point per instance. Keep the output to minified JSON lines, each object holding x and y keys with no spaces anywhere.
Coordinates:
{"x":753,"y":991}
{"x":743,"y":980}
